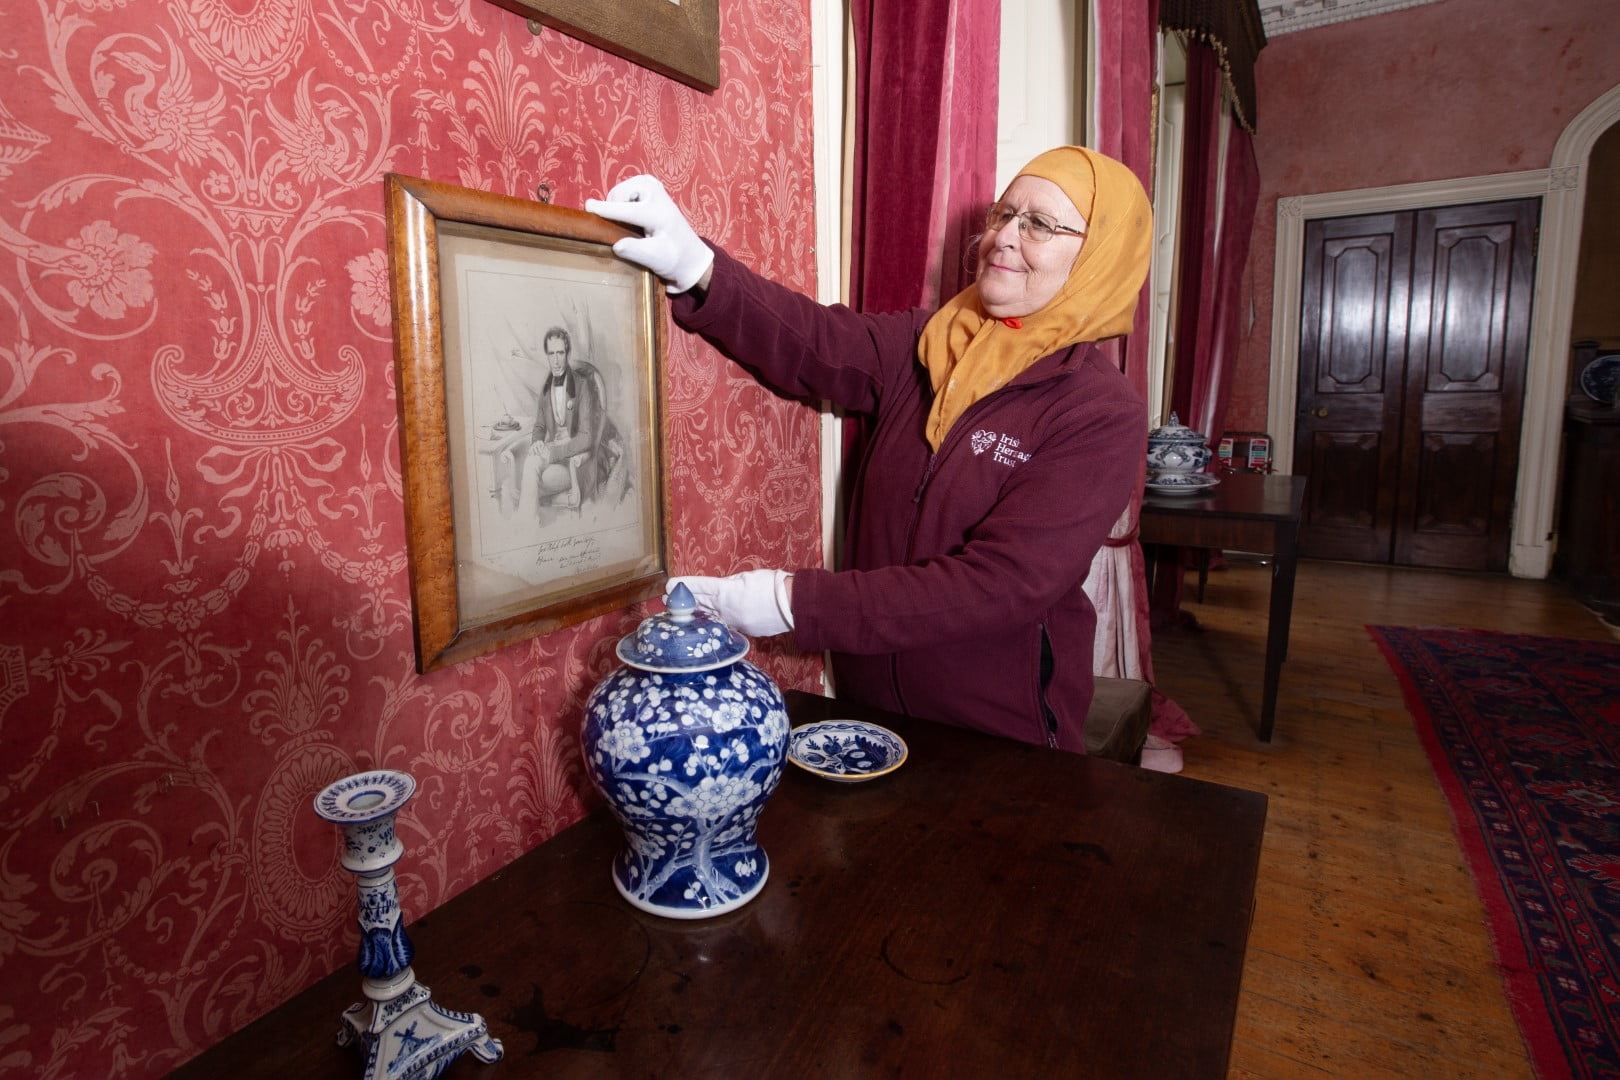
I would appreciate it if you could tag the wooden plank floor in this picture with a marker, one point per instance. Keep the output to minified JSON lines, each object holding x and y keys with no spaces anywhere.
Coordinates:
{"x":1369,"y":955}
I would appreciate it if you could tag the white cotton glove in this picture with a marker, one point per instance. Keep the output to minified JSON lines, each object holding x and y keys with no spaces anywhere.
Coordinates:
{"x":754,"y":602}
{"x":669,"y":247}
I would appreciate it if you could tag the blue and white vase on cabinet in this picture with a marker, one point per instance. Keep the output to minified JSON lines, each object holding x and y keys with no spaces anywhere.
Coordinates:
{"x":686,"y":742}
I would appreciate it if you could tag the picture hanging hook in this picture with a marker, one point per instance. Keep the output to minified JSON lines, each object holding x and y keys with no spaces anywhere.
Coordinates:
{"x":543,"y":190}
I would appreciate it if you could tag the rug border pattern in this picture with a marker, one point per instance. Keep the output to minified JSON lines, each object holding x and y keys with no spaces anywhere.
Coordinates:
{"x":1507,"y":844}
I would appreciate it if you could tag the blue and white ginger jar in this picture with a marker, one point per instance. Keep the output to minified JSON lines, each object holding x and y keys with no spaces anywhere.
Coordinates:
{"x":686,"y":742}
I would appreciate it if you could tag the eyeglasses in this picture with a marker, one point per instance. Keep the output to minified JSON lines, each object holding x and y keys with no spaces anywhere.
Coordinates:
{"x":1035,"y":227}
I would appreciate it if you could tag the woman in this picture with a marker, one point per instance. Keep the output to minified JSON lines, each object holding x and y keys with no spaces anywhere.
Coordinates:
{"x":1003,"y":446}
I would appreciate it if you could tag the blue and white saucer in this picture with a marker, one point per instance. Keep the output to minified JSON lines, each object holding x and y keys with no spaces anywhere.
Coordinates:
{"x":846,"y":750}
{"x":1187,"y":483}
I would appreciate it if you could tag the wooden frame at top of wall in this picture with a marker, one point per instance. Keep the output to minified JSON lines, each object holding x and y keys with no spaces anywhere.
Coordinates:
{"x":680,"y":40}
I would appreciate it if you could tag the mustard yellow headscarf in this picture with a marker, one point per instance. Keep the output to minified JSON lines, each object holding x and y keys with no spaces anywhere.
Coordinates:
{"x":970,"y":354}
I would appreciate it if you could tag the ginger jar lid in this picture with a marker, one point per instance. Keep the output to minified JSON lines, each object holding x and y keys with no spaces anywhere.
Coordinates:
{"x":1174,"y":433}
{"x":683,"y":638}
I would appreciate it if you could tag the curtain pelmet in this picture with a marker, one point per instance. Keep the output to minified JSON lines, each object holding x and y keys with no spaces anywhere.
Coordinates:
{"x":1232,"y":28}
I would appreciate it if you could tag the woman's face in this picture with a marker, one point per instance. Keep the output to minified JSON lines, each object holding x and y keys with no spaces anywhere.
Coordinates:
{"x":1018,"y":277}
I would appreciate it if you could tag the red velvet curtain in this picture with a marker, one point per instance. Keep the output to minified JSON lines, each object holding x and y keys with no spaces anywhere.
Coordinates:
{"x":1210,"y":293}
{"x":927,"y":82}
{"x":1218,"y":340}
{"x":1209,"y":288}
{"x":927,"y":74}
{"x":1200,"y":184}
{"x":1126,"y":51}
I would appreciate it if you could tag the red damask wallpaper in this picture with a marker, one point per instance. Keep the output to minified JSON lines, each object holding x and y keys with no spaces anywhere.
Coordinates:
{"x":204,"y":609}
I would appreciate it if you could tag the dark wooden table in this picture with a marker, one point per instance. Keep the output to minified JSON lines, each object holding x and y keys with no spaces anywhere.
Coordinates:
{"x":989,"y":909}
{"x":1254,"y":512}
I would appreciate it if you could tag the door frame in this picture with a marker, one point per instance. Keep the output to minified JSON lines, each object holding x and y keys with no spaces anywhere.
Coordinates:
{"x":1562,"y":188}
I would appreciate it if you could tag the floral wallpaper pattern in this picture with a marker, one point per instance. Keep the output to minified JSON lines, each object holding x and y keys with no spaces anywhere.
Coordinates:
{"x":204,"y":609}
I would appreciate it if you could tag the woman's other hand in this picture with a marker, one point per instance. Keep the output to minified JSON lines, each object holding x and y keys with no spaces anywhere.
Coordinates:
{"x":669,"y":248}
{"x":755,"y":602}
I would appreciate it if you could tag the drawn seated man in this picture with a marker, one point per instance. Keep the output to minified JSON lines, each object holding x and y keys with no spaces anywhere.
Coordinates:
{"x":572,"y":443}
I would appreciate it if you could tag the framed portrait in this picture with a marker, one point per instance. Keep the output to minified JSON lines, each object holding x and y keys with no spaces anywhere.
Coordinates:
{"x":530,"y":387}
{"x":678,"y":38}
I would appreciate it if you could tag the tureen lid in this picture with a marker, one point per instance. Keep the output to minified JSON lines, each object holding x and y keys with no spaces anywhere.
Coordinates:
{"x":682,"y":638}
{"x":1174,"y":432}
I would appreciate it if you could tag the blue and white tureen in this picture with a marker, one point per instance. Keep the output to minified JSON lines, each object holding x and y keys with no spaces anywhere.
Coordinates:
{"x":686,"y":742}
{"x":1176,"y":449}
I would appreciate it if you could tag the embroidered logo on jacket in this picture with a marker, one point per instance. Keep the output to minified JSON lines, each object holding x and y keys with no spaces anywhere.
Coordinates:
{"x":1006,"y":447}
{"x":1007,"y":452}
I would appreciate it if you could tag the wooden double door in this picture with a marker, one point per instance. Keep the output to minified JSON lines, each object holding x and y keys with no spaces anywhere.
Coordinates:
{"x":1413,"y":343}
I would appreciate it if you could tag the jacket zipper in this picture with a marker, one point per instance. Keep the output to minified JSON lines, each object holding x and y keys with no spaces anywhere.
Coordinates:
{"x":916,"y":506}
{"x":916,"y":515}
{"x":1046,"y":668}
{"x":911,"y":541}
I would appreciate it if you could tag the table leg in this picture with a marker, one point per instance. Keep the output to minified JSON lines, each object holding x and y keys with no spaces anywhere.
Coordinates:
{"x":1282,"y":606}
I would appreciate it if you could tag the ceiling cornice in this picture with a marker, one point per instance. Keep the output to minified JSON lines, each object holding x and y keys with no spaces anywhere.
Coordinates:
{"x":1285,"y":16}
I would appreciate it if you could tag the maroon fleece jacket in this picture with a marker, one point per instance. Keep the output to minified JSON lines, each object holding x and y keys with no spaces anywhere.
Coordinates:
{"x":965,"y":566}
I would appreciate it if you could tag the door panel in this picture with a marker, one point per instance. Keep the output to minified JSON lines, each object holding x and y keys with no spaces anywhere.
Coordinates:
{"x":1413,"y":338}
{"x":1472,"y":276}
{"x":1351,"y":458}
{"x":1352,"y":344}
{"x":1355,"y":314}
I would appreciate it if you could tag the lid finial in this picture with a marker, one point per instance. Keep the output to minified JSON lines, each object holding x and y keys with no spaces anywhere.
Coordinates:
{"x":680,"y":603}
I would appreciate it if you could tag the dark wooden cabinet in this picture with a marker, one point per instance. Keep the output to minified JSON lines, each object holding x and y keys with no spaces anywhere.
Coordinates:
{"x":1588,"y":557}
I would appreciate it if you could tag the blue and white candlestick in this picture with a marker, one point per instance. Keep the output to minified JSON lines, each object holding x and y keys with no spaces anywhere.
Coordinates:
{"x":403,"y":1034}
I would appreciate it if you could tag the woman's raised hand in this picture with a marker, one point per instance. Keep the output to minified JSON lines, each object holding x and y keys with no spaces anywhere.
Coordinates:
{"x":758,"y":603}
{"x":669,"y":246}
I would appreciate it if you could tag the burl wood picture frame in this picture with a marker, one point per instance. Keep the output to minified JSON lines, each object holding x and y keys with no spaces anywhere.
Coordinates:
{"x":678,"y":38}
{"x":530,"y":368}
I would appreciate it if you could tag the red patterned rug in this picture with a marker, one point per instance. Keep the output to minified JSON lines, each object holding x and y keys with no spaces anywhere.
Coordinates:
{"x":1524,"y":736}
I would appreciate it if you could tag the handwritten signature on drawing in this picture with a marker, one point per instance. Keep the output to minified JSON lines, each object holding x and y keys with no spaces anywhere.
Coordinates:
{"x":569,"y":554}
